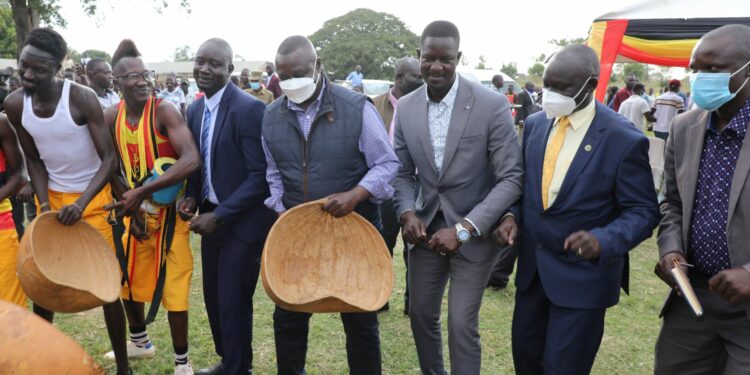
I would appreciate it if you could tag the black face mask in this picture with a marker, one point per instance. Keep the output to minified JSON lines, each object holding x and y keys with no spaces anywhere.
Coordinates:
{"x":411,"y":85}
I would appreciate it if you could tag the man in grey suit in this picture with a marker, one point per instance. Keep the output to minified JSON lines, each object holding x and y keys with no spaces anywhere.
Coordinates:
{"x":707,"y":214}
{"x":460,"y":137}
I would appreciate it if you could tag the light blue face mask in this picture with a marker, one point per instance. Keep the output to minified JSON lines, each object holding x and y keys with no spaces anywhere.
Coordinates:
{"x":254,"y":85}
{"x":710,"y":91}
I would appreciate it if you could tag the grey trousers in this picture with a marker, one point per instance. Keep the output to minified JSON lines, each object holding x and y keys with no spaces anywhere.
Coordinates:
{"x":717,"y":344}
{"x":429,"y":273}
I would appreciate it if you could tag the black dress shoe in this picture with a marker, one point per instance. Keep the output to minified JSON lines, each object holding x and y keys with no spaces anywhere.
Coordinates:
{"x":216,"y":369}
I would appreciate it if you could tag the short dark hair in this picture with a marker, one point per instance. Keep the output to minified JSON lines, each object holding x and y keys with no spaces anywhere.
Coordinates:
{"x":49,"y":41}
{"x":126,"y":48}
{"x":441,"y":29}
{"x":93,"y":63}
{"x":639,"y":86}
{"x":293,"y":43}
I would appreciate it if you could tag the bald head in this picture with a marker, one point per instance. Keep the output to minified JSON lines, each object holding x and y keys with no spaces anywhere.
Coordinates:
{"x":294,"y":44}
{"x":219,"y":46}
{"x":730,"y":40}
{"x":213,"y":65}
{"x":573,"y":72}
{"x":296,"y":57}
{"x":726,"y":50}
{"x":407,"y":63}
{"x":407,"y":76}
{"x":579,"y":57}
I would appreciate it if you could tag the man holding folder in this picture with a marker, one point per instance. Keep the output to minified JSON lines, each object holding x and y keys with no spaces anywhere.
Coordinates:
{"x":707,"y":214}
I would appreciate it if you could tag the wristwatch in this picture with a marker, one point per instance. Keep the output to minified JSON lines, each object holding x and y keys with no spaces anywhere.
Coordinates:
{"x":462,"y":234}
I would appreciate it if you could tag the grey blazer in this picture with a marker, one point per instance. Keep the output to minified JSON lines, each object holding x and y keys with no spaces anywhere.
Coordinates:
{"x":681,"y":164}
{"x":482,"y":174}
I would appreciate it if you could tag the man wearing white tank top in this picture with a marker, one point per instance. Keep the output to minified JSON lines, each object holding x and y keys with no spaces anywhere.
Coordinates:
{"x":69,"y":152}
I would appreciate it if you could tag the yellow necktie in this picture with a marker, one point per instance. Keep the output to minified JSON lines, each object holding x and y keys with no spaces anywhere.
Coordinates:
{"x":550,"y":157}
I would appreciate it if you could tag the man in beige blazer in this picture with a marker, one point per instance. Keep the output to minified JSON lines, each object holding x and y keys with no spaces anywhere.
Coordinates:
{"x":706,"y":217}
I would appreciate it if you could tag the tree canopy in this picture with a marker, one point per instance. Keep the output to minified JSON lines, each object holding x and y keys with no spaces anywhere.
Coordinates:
{"x":367,"y":38}
{"x":28,"y":14}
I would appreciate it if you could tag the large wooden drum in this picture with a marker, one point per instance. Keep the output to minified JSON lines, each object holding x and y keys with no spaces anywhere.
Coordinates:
{"x":30,"y":345}
{"x":67,"y":268}
{"x":313,"y":262}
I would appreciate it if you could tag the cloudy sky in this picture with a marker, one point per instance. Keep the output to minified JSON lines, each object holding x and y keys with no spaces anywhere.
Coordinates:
{"x":502,"y":31}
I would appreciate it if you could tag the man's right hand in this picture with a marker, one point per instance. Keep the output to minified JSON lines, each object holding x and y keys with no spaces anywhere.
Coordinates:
{"x":186,"y":208}
{"x":414,"y":229}
{"x":664,"y":269}
{"x":506,"y":232}
{"x":26,"y":193}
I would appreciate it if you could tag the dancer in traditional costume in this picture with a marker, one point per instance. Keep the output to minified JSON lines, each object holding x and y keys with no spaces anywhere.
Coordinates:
{"x":157,"y":154}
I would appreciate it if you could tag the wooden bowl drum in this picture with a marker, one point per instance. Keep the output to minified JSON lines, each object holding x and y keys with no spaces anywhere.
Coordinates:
{"x":315,"y":263}
{"x":67,"y":268}
{"x":30,"y":345}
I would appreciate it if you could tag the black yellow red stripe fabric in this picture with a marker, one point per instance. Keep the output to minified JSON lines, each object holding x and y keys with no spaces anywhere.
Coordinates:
{"x":666,"y":42}
{"x":139,"y":147}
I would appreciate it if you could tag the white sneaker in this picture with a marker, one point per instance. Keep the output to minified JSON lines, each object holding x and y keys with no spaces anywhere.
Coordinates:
{"x":134,"y":351}
{"x":183,"y":370}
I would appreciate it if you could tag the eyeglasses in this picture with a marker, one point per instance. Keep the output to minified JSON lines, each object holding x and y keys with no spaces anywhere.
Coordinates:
{"x":134,"y":77}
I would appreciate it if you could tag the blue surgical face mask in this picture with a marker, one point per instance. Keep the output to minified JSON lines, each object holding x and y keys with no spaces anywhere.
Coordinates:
{"x":710,"y":91}
{"x":254,"y":85}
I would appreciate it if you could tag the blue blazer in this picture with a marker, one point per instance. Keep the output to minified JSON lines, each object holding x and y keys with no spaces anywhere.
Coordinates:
{"x":608,"y":191}
{"x":238,"y":164}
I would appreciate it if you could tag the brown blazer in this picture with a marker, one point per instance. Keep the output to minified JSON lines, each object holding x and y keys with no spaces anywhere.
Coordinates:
{"x":684,"y":149}
{"x":385,"y":108}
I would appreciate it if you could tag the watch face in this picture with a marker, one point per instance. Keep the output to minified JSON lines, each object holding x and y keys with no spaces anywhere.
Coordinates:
{"x":463,"y":235}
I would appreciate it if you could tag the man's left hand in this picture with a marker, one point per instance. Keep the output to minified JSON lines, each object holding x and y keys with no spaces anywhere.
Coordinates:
{"x":583,"y":244}
{"x":444,"y":241}
{"x":342,"y":204}
{"x":204,"y":224}
{"x":70,"y":214}
{"x":733,"y":285}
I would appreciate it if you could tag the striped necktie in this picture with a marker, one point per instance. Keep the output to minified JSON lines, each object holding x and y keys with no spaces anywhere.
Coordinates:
{"x":550,"y":157}
{"x":206,"y":151}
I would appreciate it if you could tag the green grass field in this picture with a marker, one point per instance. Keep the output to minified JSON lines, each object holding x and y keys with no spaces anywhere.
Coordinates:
{"x":627,"y":347}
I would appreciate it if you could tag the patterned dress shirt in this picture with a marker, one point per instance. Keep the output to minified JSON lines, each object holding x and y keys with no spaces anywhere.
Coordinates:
{"x":373,"y":144}
{"x":438,"y":120}
{"x":709,"y":249}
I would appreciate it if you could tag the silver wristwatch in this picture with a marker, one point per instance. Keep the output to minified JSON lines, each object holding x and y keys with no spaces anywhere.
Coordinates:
{"x":462,"y":234}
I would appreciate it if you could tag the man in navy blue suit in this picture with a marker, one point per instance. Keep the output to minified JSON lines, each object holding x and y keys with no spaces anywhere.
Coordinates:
{"x":588,"y":199}
{"x":229,"y":192}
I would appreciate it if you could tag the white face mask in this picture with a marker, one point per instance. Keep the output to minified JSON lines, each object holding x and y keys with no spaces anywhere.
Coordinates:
{"x":298,"y":90}
{"x":557,"y":105}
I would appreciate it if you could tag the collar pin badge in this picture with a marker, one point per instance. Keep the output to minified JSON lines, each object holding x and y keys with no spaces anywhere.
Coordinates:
{"x":587,"y":148}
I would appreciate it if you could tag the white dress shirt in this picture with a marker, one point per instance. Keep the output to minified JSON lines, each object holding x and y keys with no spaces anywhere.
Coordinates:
{"x":212,"y":104}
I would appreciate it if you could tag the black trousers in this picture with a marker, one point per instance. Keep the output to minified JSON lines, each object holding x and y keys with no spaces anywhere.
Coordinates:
{"x":230,"y":274}
{"x":362,"y":342}
{"x":391,"y":227}
{"x":18,"y":215}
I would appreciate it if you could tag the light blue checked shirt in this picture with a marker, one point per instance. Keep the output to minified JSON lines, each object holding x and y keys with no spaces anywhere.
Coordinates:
{"x":373,"y":144}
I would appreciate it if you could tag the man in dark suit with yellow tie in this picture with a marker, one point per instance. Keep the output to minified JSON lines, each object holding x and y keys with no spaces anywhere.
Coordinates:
{"x":588,"y":199}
